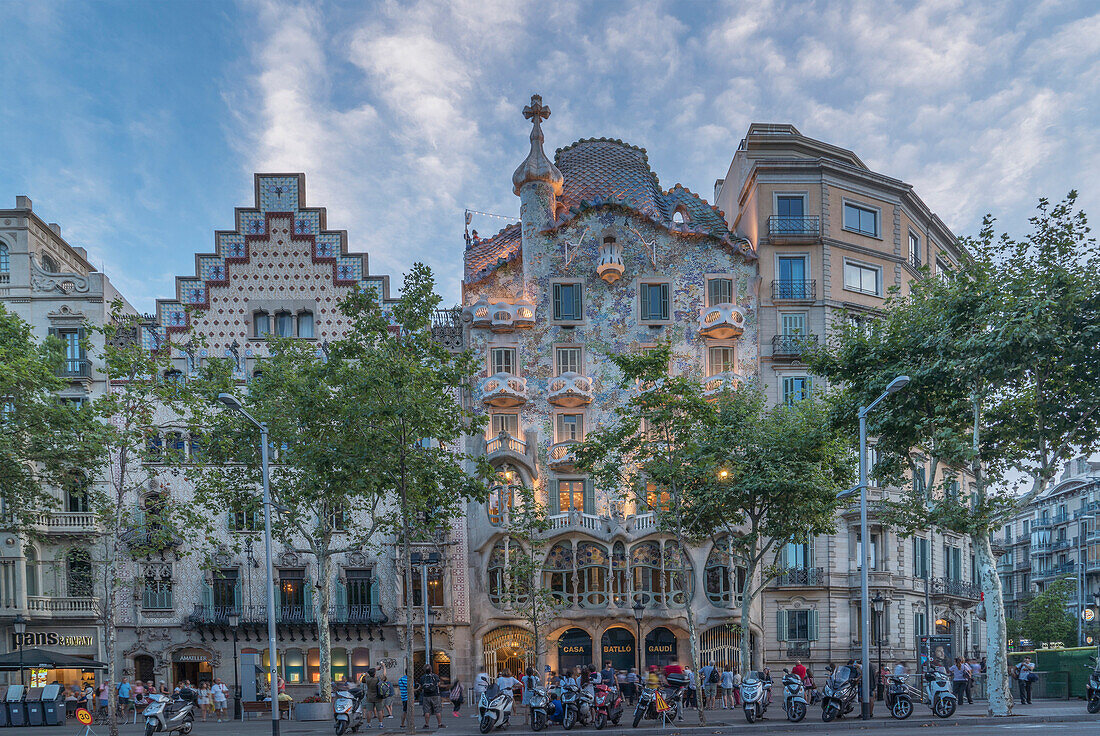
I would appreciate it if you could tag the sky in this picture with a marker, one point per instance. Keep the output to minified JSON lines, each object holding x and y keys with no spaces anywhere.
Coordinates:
{"x":137,"y":126}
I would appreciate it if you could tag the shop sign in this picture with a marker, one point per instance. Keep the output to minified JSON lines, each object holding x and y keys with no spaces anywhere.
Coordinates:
{"x":190,"y":657}
{"x":660,"y":648}
{"x":41,"y":639}
{"x":618,"y":649}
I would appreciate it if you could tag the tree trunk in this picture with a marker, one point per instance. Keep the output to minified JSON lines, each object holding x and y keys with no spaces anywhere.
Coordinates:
{"x":689,"y":595}
{"x":324,"y":638}
{"x":998,"y":683}
{"x":410,"y":672}
{"x":110,"y":628}
{"x":747,"y":597}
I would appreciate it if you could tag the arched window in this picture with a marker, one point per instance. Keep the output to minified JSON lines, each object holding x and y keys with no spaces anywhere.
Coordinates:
{"x":717,"y":576}
{"x":261,"y":324}
{"x":284,"y":324}
{"x":506,"y":591}
{"x":502,"y":499}
{"x":558,"y":573}
{"x":677,"y":575}
{"x":143,"y":667}
{"x":78,"y":564}
{"x":496,"y":584}
{"x":645,"y":565}
{"x":620,"y":588}
{"x":49,"y":265}
{"x":305,"y":324}
{"x":32,"y":570}
{"x":592,"y":569}
{"x":5,"y":259}
{"x":295,"y":667}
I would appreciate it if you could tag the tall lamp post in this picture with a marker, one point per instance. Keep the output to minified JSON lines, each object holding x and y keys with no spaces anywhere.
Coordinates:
{"x":865,"y":546}
{"x":878,"y":603}
{"x":639,"y":611}
{"x":20,"y":626}
{"x":424,"y":561}
{"x":234,"y":623}
{"x":230,"y":401}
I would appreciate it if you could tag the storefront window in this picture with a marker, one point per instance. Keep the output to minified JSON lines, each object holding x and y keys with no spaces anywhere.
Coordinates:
{"x":660,"y":647}
{"x":574,"y":649}
{"x":360,"y":663}
{"x":295,"y":669}
{"x":313,"y":665}
{"x":339,"y":664}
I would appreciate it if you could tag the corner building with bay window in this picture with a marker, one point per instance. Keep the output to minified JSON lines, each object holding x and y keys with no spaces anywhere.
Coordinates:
{"x":603,"y":261}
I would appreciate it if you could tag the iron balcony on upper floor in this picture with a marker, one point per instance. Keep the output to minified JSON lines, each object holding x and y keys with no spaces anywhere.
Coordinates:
{"x":1069,"y":568}
{"x":951,"y":588}
{"x":791,"y":347}
{"x":791,"y":290}
{"x":784,"y":228}
{"x":298,"y":614}
{"x":800,"y":576}
{"x":76,"y":369}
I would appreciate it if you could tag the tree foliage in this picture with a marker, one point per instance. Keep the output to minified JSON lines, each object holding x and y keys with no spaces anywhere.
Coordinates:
{"x":1046,"y":616}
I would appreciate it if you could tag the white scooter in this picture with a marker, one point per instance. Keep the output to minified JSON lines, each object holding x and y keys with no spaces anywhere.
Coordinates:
{"x":347,"y":710}
{"x":938,"y":694}
{"x":494,"y":709}
{"x":794,"y":697}
{"x":754,"y":696}
{"x":169,"y":716}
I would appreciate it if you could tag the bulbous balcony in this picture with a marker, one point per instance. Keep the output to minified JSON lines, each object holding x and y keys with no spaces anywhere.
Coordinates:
{"x":561,"y":455}
{"x":610,"y":267}
{"x":503,"y":390}
{"x":716,"y":384}
{"x":501,"y":316}
{"x":721,"y":321}
{"x":570,"y":389}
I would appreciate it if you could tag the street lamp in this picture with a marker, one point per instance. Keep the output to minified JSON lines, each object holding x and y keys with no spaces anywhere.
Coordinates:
{"x":232,"y":402}
{"x":424,"y":562}
{"x":878,"y":603}
{"x":234,"y":623}
{"x":865,"y":544}
{"x":20,"y":626}
{"x":639,"y":611}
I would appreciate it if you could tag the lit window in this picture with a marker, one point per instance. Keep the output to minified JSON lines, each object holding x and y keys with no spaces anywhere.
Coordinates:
{"x":503,"y":360}
{"x":795,"y":388}
{"x":568,"y":302}
{"x":571,"y":495}
{"x":864,"y":279}
{"x":860,"y":219}
{"x":569,"y":360}
{"x":654,"y":299}
{"x":656,"y":499}
{"x":719,"y":291}
{"x":570,"y":427}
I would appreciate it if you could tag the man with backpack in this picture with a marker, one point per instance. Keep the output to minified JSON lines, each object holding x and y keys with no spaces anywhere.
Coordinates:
{"x":429,"y":698}
{"x":710,"y":678}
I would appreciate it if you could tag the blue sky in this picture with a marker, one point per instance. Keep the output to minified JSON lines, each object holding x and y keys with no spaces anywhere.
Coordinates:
{"x":137,"y":126}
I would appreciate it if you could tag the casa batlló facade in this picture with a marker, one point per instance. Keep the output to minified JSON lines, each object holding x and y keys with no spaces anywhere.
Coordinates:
{"x":603,"y":259}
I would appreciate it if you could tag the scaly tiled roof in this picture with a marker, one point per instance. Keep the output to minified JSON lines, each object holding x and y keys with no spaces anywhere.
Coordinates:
{"x":484,"y":255}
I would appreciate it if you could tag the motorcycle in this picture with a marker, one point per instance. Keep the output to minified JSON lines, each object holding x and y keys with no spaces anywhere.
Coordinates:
{"x":608,"y":705}
{"x":576,"y":706}
{"x":1092,"y":690}
{"x":754,"y":695}
{"x":494,"y":709}
{"x":794,"y":697}
{"x":899,"y":698}
{"x":936,"y":693}
{"x":347,"y":710}
{"x":169,"y":716}
{"x":841,"y":692}
{"x":540,"y":708}
{"x":673,"y":696}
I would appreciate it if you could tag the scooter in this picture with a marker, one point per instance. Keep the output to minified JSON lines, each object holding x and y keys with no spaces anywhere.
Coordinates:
{"x":647,"y":702}
{"x":938,"y":694}
{"x":347,"y":710}
{"x":841,"y":692}
{"x":1092,"y":690}
{"x":494,"y":709}
{"x":794,"y":697}
{"x":170,"y":716}
{"x":754,"y":696}
{"x":899,"y":697}
{"x":576,"y":706}
{"x":540,"y":708}
{"x":608,"y":705}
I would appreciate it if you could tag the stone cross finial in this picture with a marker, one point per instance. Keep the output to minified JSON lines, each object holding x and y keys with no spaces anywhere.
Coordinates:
{"x":536,"y":109}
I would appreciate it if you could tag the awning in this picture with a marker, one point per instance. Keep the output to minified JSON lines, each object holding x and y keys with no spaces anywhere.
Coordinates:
{"x":43,"y":659}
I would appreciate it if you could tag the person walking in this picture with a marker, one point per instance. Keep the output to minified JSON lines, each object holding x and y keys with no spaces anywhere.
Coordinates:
{"x":220,"y":694}
{"x":709,"y":677}
{"x":630,"y":682}
{"x":692,"y":691}
{"x":403,"y":687}
{"x":1025,"y":676}
{"x":372,"y":695}
{"x":971,"y":684}
{"x":386,"y":689}
{"x":204,"y":699}
{"x":960,"y":674}
{"x":456,"y":695}
{"x":429,"y":698}
{"x":727,"y":687}
{"x":737,"y":688}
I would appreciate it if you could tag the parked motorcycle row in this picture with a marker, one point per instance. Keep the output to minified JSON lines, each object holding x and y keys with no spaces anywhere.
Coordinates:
{"x":170,"y":715}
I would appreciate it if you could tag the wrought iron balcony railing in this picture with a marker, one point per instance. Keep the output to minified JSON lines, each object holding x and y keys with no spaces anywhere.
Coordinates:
{"x":782,"y":226}
{"x":956,"y":589}
{"x":79,"y":368}
{"x":801,"y":576}
{"x":787,"y":289}
{"x":792,"y":346}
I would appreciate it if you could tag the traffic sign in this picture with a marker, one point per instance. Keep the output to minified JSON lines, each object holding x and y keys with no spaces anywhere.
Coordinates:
{"x":84,"y":716}
{"x":1088,"y":614}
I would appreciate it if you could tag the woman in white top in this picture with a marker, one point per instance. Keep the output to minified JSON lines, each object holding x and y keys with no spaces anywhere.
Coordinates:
{"x":204,"y":698}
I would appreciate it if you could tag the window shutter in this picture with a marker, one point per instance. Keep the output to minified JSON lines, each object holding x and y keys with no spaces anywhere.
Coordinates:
{"x":308,"y":601}
{"x":811,"y":557}
{"x":813,"y":625}
{"x":237,"y":594}
{"x":557,"y":301}
{"x":589,"y":497}
{"x":341,"y":598}
{"x":664,"y":302}
{"x":781,"y":625}
{"x":80,"y":335}
{"x":278,"y":593}
{"x":207,"y":597}
{"x":555,"y":501}
{"x":577,"y":305}
{"x":374,"y":592}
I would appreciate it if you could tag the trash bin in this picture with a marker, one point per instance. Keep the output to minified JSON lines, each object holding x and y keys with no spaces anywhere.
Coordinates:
{"x":33,"y":703}
{"x":53,"y":705}
{"x":17,"y":712}
{"x":3,"y":707}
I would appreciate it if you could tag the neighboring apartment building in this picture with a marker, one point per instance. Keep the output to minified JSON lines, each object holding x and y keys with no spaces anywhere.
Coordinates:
{"x":832,"y":237}
{"x":1054,"y":538}
{"x":48,"y":577}
{"x":603,"y":260}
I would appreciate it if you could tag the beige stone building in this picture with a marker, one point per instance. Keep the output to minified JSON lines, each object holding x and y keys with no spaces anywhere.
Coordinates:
{"x":832,"y":238}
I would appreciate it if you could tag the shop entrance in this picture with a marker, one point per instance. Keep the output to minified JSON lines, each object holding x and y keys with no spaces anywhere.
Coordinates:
{"x":192,"y":665}
{"x":660,"y":647}
{"x":617,"y":647}
{"x":508,"y":647}
{"x":574,"y":649}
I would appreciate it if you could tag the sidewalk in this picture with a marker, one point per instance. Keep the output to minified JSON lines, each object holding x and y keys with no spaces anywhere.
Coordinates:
{"x":718,"y":722}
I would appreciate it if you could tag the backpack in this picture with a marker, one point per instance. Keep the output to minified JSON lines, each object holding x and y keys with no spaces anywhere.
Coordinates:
{"x":713,"y":678}
{"x":385,"y":689}
{"x":429,"y":685}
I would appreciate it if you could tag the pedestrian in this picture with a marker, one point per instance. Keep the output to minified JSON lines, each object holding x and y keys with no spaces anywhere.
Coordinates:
{"x":204,"y":699}
{"x":124,"y":690}
{"x":530,"y":682}
{"x":403,"y":689}
{"x":959,"y":673}
{"x":220,"y":694}
{"x":481,"y":684}
{"x":975,"y":671}
{"x":372,"y":695}
{"x":737,"y":688}
{"x":766,"y":676}
{"x":692,"y":693}
{"x":883,"y":673}
{"x":456,"y":695}
{"x":901,"y":670}
{"x":429,"y":698}
{"x":727,"y":687}
{"x":386,"y":689}
{"x":632,"y":683}
{"x":1025,"y":675}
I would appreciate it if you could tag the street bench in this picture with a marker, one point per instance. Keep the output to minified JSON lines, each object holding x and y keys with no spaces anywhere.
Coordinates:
{"x":264,"y":706}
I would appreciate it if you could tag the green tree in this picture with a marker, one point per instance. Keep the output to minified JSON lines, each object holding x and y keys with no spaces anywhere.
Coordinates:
{"x":1046,"y":616}
{"x":1004,"y":381}
{"x":652,"y":450}
{"x":45,"y":443}
{"x":771,"y":476}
